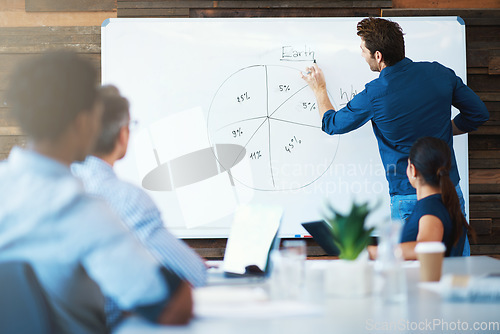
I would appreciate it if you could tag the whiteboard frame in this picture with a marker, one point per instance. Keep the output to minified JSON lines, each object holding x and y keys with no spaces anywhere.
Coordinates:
{"x":460,"y":142}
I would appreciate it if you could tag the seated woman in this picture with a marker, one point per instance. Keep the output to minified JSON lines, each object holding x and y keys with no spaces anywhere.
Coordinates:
{"x":437,"y":215}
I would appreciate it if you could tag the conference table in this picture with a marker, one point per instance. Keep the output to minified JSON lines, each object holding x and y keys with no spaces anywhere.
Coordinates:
{"x":247,"y":308}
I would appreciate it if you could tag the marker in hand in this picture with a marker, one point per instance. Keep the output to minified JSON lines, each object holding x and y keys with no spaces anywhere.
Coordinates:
{"x":314,"y":62}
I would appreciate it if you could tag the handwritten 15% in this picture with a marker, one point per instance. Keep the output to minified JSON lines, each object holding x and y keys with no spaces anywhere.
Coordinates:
{"x":243,"y":97}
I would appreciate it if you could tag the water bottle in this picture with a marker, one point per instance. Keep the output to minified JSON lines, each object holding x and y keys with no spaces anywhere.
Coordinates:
{"x":390,"y":278}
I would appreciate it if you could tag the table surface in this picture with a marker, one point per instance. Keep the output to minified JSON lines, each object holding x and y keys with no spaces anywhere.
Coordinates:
{"x":423,"y":311}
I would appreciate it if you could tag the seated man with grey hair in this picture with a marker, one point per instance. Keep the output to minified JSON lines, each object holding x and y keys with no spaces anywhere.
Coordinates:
{"x":134,"y":206}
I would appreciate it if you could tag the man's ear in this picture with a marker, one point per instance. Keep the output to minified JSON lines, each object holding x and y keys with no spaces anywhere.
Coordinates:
{"x":378,"y":57}
{"x":413,"y":171}
{"x":123,"y":135}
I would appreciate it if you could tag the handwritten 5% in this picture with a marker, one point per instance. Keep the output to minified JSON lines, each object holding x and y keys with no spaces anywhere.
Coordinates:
{"x":309,"y":105}
{"x":284,"y":88}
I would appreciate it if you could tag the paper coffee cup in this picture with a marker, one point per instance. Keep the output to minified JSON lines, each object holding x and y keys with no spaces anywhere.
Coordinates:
{"x":430,"y":255}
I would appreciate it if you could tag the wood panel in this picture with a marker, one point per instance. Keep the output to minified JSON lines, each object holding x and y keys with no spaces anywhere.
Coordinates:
{"x":12,"y":5}
{"x":491,"y":238}
{"x":214,"y":249}
{"x":158,"y":4}
{"x":483,"y":83}
{"x":482,"y":17}
{"x":482,"y":226}
{"x":147,"y":12}
{"x":486,"y":142}
{"x":494,"y":62}
{"x":445,"y":4}
{"x":13,"y":14}
{"x":7,"y":142}
{"x":5,"y":119}
{"x":478,"y":176}
{"x":484,"y":181}
{"x":484,"y":159}
{"x":282,"y":12}
{"x":10,"y":60}
{"x":70,"y":6}
{"x":211,"y":249}
{"x":10,"y":131}
{"x":316,"y":8}
{"x":485,"y":249}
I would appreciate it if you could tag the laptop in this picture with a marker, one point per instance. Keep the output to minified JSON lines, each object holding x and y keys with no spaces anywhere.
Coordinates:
{"x":253,"y":235}
{"x":322,"y":234}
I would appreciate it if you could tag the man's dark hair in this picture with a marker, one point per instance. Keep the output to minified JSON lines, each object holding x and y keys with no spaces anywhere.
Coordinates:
{"x":384,"y":36}
{"x":114,"y":117}
{"x":46,"y":93}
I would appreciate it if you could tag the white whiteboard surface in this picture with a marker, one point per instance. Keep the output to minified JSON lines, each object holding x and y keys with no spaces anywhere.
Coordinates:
{"x":225,"y":119}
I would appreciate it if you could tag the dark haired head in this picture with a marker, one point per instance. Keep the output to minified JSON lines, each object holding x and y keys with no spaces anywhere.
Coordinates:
{"x":432,"y":159}
{"x":114,"y":117}
{"x":384,"y":36}
{"x":47,"y":93}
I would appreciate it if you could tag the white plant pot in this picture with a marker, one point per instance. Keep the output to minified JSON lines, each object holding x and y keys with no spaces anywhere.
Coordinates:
{"x":345,"y":278}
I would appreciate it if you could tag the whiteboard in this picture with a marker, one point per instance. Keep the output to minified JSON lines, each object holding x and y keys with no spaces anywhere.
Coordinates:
{"x":225,"y":118}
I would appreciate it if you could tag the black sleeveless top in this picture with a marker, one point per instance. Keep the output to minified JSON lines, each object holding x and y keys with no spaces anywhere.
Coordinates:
{"x":433,"y":205}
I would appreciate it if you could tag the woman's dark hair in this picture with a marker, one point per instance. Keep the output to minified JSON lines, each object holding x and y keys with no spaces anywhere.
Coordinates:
{"x":384,"y":36}
{"x":432,"y":159}
{"x":46,"y":93}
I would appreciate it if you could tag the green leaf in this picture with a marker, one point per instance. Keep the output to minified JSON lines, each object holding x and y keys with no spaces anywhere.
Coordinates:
{"x":348,"y":231}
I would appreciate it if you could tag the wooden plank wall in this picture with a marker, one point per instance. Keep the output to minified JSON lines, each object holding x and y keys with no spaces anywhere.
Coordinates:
{"x":29,"y":27}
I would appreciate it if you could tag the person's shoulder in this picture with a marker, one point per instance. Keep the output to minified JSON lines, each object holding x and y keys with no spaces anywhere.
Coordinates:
{"x":128,"y":197}
{"x":94,"y":214}
{"x":130,"y":190}
{"x":433,"y":205}
{"x":432,"y":67}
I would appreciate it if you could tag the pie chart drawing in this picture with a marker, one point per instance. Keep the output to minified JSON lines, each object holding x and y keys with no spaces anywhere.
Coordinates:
{"x":271,"y":113}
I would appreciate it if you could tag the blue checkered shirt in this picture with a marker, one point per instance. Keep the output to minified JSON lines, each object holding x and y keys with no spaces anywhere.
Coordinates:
{"x":141,"y":215}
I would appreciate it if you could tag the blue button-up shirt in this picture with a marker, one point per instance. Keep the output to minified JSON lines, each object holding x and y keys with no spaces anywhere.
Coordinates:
{"x":409,"y":100}
{"x":75,"y":244}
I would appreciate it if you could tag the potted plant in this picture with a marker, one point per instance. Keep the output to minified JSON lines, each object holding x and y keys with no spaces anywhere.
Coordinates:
{"x":352,"y":274}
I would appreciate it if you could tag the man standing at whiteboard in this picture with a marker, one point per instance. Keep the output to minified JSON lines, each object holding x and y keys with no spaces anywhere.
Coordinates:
{"x":409,"y":100}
